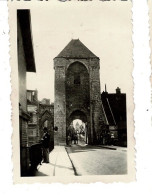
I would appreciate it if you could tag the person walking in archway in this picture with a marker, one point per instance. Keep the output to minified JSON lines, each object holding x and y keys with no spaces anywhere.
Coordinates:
{"x":45,"y":143}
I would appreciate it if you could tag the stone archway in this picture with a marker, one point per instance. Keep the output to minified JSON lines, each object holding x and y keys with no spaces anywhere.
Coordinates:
{"x":47,"y":116}
{"x":77,"y":114}
{"x":77,"y":93}
{"x":80,"y":115}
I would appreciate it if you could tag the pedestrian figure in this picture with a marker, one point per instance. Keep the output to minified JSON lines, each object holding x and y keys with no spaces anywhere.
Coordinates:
{"x":75,"y":137}
{"x":69,"y":140}
{"x":45,"y":143}
{"x":71,"y":133}
{"x":72,"y":137}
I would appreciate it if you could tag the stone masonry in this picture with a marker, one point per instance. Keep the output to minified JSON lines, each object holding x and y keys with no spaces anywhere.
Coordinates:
{"x":77,"y":90}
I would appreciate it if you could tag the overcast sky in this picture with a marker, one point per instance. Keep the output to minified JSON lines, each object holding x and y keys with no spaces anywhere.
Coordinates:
{"x":105,"y":29}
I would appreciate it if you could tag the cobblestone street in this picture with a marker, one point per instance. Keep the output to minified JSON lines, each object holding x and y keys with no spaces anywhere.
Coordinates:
{"x":96,"y":160}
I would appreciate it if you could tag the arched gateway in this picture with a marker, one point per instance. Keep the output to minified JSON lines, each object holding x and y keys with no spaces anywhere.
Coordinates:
{"x":77,"y":90}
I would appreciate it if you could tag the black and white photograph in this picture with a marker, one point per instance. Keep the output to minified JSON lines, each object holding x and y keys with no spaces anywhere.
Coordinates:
{"x":72,"y":91}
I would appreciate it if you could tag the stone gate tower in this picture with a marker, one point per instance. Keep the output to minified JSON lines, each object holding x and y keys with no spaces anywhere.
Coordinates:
{"x":77,"y":91}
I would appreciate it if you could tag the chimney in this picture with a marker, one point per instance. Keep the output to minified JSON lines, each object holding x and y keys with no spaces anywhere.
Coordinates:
{"x":118,"y":90}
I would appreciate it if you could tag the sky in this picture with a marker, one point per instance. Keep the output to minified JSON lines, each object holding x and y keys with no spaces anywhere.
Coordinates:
{"x":104,"y":27}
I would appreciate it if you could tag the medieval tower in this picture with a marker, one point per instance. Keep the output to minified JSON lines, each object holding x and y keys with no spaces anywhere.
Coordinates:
{"x":77,"y":91}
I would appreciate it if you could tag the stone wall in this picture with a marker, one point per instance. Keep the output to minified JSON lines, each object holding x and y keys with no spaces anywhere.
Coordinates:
{"x":77,"y":91}
{"x":95,"y":100}
{"x":69,"y":97}
{"x":60,"y":102}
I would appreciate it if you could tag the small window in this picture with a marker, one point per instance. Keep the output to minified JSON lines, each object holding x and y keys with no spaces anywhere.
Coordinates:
{"x":31,"y":117}
{"x":77,"y":79}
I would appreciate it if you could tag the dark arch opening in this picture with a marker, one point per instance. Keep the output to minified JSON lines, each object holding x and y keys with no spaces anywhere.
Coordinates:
{"x":77,"y":74}
{"x":78,"y":64}
{"x":77,"y":88}
{"x":46,"y":120}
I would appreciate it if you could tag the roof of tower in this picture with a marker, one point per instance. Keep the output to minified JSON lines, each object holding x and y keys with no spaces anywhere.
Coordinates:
{"x":76,"y":49}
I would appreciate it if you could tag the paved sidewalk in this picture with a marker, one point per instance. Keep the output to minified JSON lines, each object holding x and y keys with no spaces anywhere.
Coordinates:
{"x":60,"y":164}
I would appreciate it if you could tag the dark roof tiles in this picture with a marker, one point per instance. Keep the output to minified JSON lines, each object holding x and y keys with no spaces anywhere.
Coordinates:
{"x":114,"y":107}
{"x":76,"y":49}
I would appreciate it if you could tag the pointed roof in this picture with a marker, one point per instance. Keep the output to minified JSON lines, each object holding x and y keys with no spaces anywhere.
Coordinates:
{"x":76,"y":49}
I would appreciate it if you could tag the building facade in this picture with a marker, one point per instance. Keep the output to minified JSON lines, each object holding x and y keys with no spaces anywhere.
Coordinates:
{"x":33,"y":111}
{"x":77,"y":91}
{"x":26,"y":63}
{"x":46,"y":119}
{"x":41,"y":115}
{"x":114,"y":105}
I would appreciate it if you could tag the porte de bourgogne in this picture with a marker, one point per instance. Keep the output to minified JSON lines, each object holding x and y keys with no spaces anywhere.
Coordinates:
{"x":83,"y":130}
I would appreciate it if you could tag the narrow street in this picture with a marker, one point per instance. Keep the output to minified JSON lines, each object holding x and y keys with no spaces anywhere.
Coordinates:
{"x":84,"y":159}
{"x":96,"y":160}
